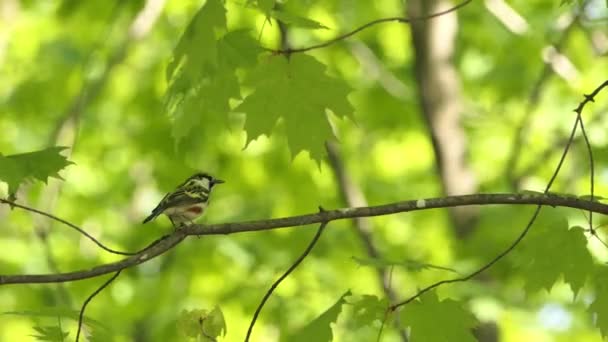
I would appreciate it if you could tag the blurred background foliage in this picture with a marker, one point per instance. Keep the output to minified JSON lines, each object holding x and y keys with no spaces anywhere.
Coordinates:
{"x":88,"y":75}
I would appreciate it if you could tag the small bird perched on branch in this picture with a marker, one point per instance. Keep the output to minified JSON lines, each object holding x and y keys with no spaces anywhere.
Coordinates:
{"x":188,"y":201}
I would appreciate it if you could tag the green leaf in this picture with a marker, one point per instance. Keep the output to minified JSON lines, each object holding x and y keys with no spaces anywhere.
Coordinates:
{"x":409,"y":264}
{"x":195,"y":53}
{"x":238,"y":49}
{"x":551,"y":250}
{"x":319,"y":330}
{"x":17,"y":168}
{"x":205,"y":108}
{"x":215,"y":324}
{"x":266,"y":5}
{"x":96,"y":330}
{"x":295,"y":20}
{"x":431,"y":320}
{"x":59,"y":312}
{"x":189,"y":322}
{"x":367,"y":309}
{"x":50,"y":333}
{"x":201,"y":323}
{"x":599,"y":307}
{"x":202,"y":75}
{"x":298,"y":90}
{"x":198,"y":45}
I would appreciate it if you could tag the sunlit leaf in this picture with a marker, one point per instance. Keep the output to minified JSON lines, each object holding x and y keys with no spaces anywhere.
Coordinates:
{"x":198,"y":45}
{"x":238,"y":49}
{"x":296,"y":20}
{"x":319,"y":329}
{"x":367,"y":309}
{"x":203,"y":324}
{"x":551,"y":250}
{"x":202,"y":75}
{"x":298,"y":90}
{"x":215,"y":324}
{"x":599,"y":307}
{"x":265,"y":5}
{"x":59,"y":312}
{"x":50,"y":333}
{"x":432,"y":320}
{"x":18,"y":168}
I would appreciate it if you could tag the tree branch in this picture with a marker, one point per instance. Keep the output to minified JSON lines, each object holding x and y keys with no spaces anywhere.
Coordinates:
{"x":165,"y":243}
{"x":407,"y":20}
{"x":155,"y":249}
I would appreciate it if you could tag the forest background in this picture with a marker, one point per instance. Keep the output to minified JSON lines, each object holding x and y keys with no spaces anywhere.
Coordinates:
{"x":304,"y":107}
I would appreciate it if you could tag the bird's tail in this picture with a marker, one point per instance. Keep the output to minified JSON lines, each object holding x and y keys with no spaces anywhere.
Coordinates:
{"x":151,"y":217}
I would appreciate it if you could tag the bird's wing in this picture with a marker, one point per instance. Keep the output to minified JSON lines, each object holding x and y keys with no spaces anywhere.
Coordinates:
{"x":182,"y":197}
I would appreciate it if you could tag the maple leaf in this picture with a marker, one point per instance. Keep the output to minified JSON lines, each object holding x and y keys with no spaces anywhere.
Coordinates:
{"x":367,"y":309}
{"x":433,"y":320}
{"x":50,"y":333}
{"x":319,"y":330}
{"x":298,"y":90}
{"x":16,"y":169}
{"x":197,"y":47}
{"x":551,"y":250}
{"x":202,"y":74}
{"x":599,"y":307}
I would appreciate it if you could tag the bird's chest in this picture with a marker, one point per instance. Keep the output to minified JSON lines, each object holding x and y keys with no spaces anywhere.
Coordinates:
{"x":188,"y":212}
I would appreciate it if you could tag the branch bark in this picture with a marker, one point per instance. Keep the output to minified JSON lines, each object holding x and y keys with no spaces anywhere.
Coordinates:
{"x":167,"y":242}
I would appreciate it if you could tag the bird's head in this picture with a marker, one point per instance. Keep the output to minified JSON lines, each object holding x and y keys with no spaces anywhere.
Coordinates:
{"x":203,"y":179}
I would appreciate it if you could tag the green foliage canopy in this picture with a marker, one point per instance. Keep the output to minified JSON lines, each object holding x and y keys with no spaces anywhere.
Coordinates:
{"x":211,"y":87}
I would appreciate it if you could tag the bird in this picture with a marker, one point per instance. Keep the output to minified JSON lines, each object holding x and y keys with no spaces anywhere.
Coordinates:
{"x":188,"y":201}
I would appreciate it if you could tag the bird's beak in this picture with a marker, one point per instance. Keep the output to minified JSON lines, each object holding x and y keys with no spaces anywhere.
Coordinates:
{"x":218,"y":181}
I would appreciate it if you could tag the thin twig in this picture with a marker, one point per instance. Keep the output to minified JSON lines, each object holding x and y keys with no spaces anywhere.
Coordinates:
{"x":282,"y":277}
{"x":594,"y":234}
{"x":578,"y":110}
{"x":591,"y":166}
{"x":478,"y":271}
{"x":542,"y":157}
{"x":388,"y":311}
{"x":67,"y":223}
{"x":86,"y":302}
{"x":369,"y":24}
